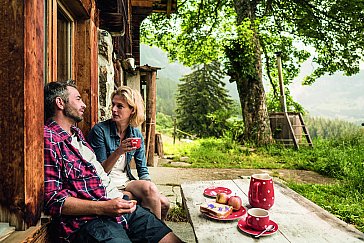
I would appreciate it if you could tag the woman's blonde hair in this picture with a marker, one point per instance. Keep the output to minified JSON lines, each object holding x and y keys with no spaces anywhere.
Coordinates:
{"x":135,"y":101}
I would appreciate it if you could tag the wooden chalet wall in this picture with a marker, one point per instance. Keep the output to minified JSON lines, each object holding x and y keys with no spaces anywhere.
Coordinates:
{"x":25,"y":42}
{"x":86,"y":66}
{"x":84,"y":49}
{"x":21,"y":112}
{"x":28,"y":60}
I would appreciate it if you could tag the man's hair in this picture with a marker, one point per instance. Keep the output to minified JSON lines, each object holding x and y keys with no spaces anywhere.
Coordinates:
{"x":135,"y":101}
{"x":53,"y":90}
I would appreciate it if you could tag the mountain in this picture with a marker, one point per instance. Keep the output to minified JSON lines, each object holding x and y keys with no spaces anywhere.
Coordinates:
{"x":336,"y":96}
{"x":154,"y":56}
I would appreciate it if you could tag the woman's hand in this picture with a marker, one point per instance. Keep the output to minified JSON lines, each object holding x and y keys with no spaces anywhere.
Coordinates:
{"x":127,"y":145}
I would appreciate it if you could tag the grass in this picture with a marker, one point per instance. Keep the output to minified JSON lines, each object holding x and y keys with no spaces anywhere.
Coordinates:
{"x":341,"y":201}
{"x":177,"y":214}
{"x":340,"y":158}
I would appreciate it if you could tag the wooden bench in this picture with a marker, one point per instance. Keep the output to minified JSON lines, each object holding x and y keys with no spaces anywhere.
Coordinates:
{"x":298,"y":219}
{"x":35,"y":234}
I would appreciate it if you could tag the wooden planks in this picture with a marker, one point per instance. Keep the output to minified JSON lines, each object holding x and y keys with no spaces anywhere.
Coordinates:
{"x":209,"y":230}
{"x":21,"y":102}
{"x":5,"y":231}
{"x":86,"y":69}
{"x":299,"y":219}
{"x":142,"y":3}
{"x":35,"y":234}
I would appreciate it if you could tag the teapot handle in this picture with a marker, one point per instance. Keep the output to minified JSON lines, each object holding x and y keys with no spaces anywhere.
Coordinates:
{"x":255,"y":194}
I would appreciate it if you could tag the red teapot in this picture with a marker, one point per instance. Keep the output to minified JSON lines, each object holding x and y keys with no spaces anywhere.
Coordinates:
{"x":261,"y":191}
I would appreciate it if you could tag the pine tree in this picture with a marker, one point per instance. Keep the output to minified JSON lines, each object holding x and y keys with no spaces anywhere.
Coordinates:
{"x":203,"y":103}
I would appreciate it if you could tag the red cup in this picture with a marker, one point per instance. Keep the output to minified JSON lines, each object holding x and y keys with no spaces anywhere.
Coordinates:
{"x":261,"y":191}
{"x":257,"y":218}
{"x":136,"y":142}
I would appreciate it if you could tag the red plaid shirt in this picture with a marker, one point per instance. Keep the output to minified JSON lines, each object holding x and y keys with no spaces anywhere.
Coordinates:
{"x":67,"y":174}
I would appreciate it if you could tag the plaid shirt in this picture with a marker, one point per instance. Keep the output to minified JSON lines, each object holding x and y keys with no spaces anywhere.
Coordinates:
{"x":67,"y":174}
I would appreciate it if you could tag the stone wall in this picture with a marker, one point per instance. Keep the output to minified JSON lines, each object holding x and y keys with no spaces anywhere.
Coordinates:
{"x":106,"y":74}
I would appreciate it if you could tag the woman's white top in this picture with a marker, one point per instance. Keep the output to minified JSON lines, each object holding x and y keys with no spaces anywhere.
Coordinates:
{"x":118,"y":173}
{"x":110,"y":186}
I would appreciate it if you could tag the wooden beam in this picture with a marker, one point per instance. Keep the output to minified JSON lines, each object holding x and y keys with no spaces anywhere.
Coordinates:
{"x":81,"y":9}
{"x":51,"y":47}
{"x":21,"y":102}
{"x":86,"y":69}
{"x":142,"y":3}
{"x":151,"y":79}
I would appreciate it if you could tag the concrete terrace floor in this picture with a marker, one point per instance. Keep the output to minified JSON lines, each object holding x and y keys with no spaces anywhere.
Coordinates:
{"x":169,"y":179}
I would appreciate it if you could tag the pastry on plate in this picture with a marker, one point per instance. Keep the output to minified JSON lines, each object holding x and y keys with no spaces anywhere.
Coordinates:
{"x":217,"y":210}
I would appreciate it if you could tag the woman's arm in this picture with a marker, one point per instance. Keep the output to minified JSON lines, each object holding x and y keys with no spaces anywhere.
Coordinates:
{"x":140,"y":159}
{"x":97,"y":140}
{"x":109,"y":163}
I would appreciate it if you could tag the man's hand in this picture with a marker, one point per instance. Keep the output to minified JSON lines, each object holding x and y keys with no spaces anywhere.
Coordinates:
{"x":116,"y":207}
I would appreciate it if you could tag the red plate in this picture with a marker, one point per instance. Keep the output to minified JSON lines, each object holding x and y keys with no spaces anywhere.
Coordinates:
{"x":246,"y":229}
{"x":234,"y":215}
{"x":214,"y":190}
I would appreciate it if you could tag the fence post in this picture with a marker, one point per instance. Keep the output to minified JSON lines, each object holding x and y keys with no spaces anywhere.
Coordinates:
{"x":174,"y":130}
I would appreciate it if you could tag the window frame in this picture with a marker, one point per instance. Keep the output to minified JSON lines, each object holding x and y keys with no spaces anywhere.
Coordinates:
{"x":69,"y":39}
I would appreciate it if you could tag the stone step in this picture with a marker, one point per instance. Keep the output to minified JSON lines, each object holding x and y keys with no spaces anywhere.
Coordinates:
{"x":5,"y":231}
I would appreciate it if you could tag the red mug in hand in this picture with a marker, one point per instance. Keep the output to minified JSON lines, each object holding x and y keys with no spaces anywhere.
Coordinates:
{"x":261,"y":191}
{"x":136,"y":142}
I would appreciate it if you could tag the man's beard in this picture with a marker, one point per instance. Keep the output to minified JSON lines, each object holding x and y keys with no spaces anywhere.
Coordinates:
{"x":72,"y":113}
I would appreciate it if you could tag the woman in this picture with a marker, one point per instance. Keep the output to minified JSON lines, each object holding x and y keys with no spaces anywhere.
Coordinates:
{"x":111,"y":141}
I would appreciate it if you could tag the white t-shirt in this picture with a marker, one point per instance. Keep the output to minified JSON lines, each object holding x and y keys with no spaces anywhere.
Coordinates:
{"x":111,"y":189}
{"x":118,"y":173}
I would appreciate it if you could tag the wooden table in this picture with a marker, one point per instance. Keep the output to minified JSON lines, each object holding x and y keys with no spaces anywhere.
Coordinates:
{"x":299,"y":219}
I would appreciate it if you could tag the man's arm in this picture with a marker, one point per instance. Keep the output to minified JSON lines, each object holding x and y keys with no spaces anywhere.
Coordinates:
{"x":54,"y":194}
{"x":113,"y":208}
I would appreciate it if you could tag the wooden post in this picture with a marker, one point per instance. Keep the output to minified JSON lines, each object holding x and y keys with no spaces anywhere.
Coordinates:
{"x":159,"y":145}
{"x":151,"y":114}
{"x":174,"y":130}
{"x":22,"y":116}
{"x":86,"y":69}
{"x":281,"y":84}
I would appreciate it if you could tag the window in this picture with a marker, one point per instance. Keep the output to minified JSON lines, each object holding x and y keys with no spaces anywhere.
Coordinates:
{"x":65,"y":26}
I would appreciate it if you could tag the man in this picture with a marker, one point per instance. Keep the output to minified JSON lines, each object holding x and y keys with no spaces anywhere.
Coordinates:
{"x":84,"y":203}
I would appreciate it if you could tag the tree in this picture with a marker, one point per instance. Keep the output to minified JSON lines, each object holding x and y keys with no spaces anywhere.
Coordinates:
{"x":245,"y":34}
{"x":200,"y":95}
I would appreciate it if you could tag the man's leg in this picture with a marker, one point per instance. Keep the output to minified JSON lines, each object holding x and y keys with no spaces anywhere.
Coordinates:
{"x":102,"y":230}
{"x":150,"y":197}
{"x":170,"y":237}
{"x":145,"y":227}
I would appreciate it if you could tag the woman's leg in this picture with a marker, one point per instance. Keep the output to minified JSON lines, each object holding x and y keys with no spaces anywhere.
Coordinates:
{"x":164,"y":206}
{"x":147,"y":192}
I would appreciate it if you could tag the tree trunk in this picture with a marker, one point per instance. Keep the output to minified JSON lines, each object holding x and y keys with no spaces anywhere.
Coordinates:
{"x":247,"y":72}
{"x":254,"y":110}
